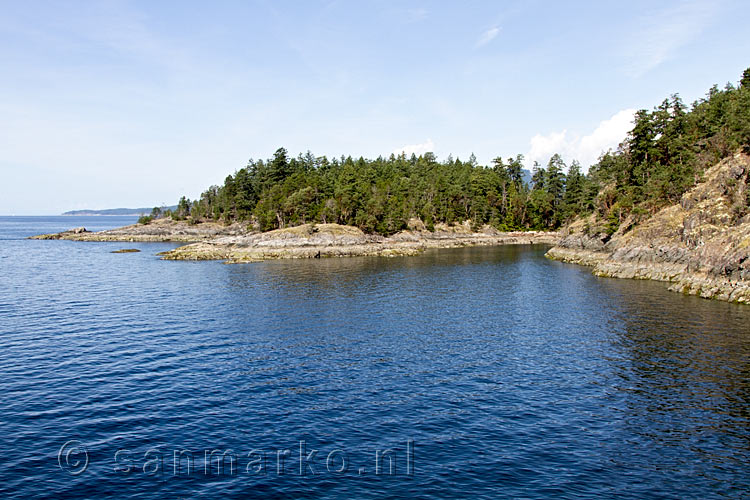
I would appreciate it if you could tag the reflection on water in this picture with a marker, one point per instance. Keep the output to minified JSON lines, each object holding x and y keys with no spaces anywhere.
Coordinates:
{"x":682,"y":384}
{"x":514,"y":376}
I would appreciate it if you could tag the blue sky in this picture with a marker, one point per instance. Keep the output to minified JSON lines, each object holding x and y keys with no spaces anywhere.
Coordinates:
{"x":108,"y":104}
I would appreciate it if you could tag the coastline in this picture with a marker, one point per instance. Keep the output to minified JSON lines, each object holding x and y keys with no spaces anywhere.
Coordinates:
{"x":700,"y":245}
{"x":161,"y":230}
{"x":236,"y":243}
{"x":682,"y":278}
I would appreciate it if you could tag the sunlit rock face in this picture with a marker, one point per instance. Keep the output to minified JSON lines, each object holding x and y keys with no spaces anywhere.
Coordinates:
{"x":702,"y":244}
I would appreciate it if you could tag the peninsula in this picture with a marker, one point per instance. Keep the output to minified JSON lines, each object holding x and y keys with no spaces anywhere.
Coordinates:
{"x":672,"y":203}
{"x":236,"y":243}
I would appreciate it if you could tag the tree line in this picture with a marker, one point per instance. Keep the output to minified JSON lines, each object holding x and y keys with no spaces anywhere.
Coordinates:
{"x":667,"y":151}
{"x":661,"y":157}
{"x":381,"y":195}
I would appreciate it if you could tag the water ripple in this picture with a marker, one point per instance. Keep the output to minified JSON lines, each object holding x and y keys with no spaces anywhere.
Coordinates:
{"x":514,"y":376}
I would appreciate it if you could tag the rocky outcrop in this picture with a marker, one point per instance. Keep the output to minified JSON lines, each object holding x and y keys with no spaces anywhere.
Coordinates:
{"x":241,"y":243}
{"x":157,"y":230}
{"x":334,"y":240}
{"x":701,"y":245}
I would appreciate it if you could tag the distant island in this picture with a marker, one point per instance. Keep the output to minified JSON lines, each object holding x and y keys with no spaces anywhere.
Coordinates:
{"x":115,"y":211}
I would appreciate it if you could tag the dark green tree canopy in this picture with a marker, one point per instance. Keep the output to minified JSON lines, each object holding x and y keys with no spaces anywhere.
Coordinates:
{"x":663,"y":156}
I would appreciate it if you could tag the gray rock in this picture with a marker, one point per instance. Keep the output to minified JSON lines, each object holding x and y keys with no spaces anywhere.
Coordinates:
{"x":702,"y":244}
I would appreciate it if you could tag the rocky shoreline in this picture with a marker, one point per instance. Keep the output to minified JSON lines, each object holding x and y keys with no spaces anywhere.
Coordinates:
{"x":701,"y":245}
{"x":159,"y":230}
{"x":701,"y":283}
{"x":238,"y":243}
{"x":333,"y":240}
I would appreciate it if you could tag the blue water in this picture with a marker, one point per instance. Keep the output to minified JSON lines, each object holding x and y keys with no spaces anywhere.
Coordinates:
{"x":477,"y":373}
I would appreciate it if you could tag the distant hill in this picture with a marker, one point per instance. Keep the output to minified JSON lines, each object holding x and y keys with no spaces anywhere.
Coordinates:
{"x":116,"y":211}
{"x":526,"y":176}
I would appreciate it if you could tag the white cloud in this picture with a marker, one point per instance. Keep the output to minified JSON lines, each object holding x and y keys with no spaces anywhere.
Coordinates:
{"x":487,"y":36}
{"x":544,"y":146}
{"x":663,"y":34}
{"x":418,"y":149}
{"x":586,"y":149}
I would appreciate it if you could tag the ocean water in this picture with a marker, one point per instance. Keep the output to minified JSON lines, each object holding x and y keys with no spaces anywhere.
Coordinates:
{"x":464,"y":373}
